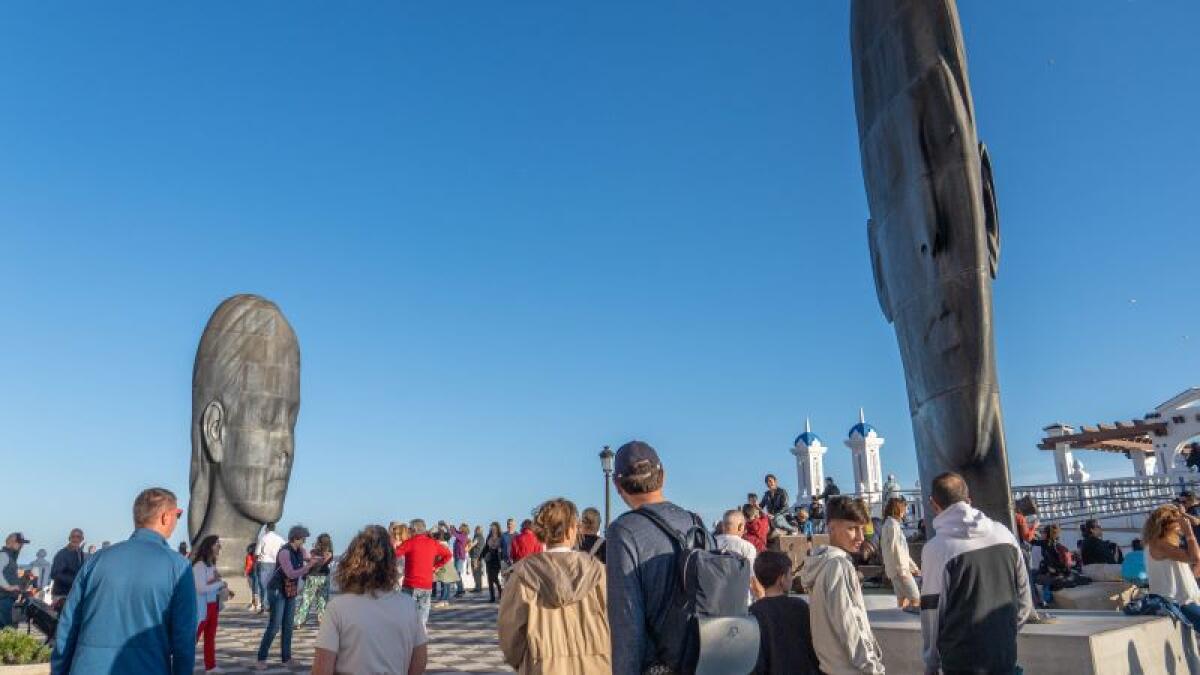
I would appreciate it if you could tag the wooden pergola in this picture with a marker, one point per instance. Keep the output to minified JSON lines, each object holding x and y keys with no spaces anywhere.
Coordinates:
{"x":1122,"y":436}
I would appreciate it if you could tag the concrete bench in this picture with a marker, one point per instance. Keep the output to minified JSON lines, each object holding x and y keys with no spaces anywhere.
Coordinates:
{"x":1099,"y":595}
{"x":1081,"y":643}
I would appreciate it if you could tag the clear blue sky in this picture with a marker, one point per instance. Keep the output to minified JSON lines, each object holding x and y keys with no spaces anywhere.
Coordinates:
{"x":510,"y":233}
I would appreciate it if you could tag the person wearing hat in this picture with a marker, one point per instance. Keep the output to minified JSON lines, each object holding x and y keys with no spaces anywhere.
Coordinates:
{"x":10,"y":578}
{"x":640,"y":559}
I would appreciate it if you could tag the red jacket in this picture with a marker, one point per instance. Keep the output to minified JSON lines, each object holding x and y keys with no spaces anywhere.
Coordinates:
{"x":422,"y":555}
{"x":756,"y":532}
{"x":525,"y":545}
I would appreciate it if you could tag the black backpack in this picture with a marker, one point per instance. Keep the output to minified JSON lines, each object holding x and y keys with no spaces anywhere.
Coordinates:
{"x":710,"y":584}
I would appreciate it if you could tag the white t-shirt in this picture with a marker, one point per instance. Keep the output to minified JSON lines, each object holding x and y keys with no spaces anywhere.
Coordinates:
{"x":371,"y":633}
{"x":268,"y":547}
{"x":735,"y":544}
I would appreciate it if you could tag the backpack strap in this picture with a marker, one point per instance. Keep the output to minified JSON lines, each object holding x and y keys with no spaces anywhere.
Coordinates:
{"x":596,"y":545}
{"x":696,"y":537}
{"x":674,"y":535}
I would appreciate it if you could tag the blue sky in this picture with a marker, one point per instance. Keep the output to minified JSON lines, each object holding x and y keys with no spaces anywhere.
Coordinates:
{"x":510,"y":233}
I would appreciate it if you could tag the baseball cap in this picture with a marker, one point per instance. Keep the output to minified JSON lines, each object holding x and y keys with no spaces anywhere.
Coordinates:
{"x":19,"y":537}
{"x":630,"y":454}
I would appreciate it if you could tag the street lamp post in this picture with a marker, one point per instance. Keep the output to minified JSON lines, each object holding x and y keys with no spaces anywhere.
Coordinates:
{"x":606,"y":463}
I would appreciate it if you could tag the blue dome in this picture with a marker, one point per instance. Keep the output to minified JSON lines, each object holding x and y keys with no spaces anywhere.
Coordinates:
{"x":808,"y":438}
{"x":862,"y":429}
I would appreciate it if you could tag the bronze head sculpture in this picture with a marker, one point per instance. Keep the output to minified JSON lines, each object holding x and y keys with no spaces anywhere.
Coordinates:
{"x":245,"y":398}
{"x":934,"y":234}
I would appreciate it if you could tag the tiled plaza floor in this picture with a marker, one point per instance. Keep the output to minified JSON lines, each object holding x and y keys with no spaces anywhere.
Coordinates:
{"x":462,"y":639}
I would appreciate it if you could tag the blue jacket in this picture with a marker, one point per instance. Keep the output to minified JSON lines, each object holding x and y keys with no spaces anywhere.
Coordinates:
{"x":132,"y":609}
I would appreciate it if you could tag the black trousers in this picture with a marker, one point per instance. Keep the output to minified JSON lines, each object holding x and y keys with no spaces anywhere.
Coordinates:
{"x":494,"y":589}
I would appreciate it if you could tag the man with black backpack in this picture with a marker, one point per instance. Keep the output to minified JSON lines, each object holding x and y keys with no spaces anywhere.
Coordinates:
{"x":657,"y":604}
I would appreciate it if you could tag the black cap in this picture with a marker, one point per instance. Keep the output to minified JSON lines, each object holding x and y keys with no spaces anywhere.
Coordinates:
{"x":19,"y":537}
{"x":630,"y":454}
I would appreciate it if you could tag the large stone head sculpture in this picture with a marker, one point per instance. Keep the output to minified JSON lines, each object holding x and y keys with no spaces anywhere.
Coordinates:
{"x":245,"y":398}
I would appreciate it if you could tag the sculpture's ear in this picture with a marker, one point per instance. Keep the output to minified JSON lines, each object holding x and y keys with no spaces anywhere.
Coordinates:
{"x":881,"y":290}
{"x":212,"y":428}
{"x":991,"y":215}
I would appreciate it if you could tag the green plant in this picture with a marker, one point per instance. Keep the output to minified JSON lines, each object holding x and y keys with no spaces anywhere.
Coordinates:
{"x":19,"y":648}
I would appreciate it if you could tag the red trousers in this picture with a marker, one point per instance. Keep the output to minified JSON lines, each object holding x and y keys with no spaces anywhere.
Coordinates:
{"x":208,"y":628}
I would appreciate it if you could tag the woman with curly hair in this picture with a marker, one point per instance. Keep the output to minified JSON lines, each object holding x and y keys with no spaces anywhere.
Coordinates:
{"x":1172,"y":569}
{"x":370,"y":627}
{"x":553,"y":616}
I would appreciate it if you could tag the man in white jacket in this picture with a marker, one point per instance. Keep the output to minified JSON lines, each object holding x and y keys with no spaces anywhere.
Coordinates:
{"x":975,"y":589}
{"x":841,"y":633}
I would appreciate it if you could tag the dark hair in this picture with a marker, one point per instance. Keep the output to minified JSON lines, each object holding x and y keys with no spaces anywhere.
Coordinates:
{"x":204,"y":550}
{"x":847,"y":508}
{"x":149,"y":503}
{"x":494,"y":528}
{"x":526,"y":523}
{"x":590,"y":520}
{"x":770,"y":476}
{"x":250,"y":548}
{"x":369,"y":563}
{"x":183,"y":547}
{"x":643,"y":477}
{"x":297,"y":532}
{"x":1136,"y":544}
{"x":770,"y":565}
{"x":324,"y":544}
{"x":948,"y":489}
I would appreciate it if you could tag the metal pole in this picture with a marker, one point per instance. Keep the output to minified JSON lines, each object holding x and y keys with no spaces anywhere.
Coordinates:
{"x":607,"y":500}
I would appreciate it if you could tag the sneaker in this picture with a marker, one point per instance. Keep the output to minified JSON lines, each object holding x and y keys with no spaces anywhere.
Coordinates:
{"x":260,"y":665}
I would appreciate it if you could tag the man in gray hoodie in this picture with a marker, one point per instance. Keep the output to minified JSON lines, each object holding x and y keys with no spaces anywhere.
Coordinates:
{"x":975,"y":590}
{"x":841,"y":633}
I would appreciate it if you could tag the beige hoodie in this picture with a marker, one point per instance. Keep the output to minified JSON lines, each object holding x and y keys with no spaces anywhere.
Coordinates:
{"x":553,"y":615}
{"x":841,"y":633}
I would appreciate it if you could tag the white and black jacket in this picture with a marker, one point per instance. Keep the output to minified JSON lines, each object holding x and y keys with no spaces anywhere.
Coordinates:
{"x":974,"y":593}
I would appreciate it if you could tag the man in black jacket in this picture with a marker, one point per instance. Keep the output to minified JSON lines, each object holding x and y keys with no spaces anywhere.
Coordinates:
{"x":67,"y":563}
{"x":775,"y":502}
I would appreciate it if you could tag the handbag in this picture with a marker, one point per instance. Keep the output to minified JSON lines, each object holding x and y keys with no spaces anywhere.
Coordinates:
{"x":290,"y":588}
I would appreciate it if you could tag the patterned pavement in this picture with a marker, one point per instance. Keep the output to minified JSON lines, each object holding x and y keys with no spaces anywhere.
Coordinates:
{"x":462,"y":639}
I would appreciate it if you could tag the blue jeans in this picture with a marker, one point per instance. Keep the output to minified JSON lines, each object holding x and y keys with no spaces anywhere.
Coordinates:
{"x":1192,"y":612}
{"x":6,"y":611}
{"x":781,"y":522}
{"x":265,"y":572}
{"x":424,"y":598}
{"x":460,"y":564}
{"x":256,"y":587}
{"x":283,"y":613}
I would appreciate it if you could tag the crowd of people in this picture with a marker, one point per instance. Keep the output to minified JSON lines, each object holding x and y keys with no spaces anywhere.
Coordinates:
{"x":632,"y":600}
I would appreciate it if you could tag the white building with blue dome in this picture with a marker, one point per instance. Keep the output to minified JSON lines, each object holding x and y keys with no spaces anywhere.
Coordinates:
{"x":810,"y":464}
{"x":864,"y":443}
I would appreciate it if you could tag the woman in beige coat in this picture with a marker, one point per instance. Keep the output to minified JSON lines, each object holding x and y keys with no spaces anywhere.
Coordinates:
{"x":553,"y":614}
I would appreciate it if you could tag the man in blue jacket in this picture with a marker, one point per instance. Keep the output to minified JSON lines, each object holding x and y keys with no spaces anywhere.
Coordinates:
{"x":132,"y":608}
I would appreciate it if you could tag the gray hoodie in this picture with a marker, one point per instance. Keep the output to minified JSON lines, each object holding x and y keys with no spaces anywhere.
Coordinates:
{"x":840,"y":630}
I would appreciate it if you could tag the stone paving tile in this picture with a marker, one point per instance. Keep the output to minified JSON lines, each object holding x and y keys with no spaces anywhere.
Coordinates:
{"x":462,"y":639}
